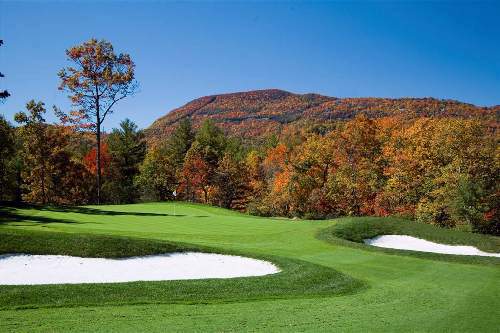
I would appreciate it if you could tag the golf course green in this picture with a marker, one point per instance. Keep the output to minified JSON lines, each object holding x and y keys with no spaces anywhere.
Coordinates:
{"x":329,"y":281}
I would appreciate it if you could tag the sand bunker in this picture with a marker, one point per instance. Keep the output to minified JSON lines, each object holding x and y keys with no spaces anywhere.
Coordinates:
{"x":402,"y":242}
{"x":21,"y":269}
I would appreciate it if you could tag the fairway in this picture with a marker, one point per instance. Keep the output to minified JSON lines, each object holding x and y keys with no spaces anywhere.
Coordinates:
{"x":329,"y":281}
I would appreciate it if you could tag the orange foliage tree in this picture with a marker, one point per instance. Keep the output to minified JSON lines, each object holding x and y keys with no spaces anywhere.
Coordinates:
{"x":98,"y":79}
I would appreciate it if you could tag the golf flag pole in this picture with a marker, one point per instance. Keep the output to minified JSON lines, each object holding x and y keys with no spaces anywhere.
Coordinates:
{"x":175,"y":196}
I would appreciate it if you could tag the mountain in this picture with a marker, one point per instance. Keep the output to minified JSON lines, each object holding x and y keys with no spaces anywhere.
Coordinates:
{"x":261,"y":112}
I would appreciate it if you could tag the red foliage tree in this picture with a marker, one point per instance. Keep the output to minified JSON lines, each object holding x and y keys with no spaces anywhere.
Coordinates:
{"x":195,"y":177}
{"x":90,"y":160}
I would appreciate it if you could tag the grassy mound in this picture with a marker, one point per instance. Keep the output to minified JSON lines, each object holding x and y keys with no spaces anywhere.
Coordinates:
{"x":297,"y":278}
{"x":83,"y":245}
{"x":355,"y":230}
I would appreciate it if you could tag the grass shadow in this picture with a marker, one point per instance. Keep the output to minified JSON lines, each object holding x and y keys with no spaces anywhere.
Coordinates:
{"x":11,"y":214}
{"x":97,"y":211}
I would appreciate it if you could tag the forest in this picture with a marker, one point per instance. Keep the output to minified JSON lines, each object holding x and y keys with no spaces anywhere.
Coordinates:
{"x":438,"y":170}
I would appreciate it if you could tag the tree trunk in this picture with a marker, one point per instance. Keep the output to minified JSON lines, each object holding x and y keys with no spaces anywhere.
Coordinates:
{"x":98,"y":157}
{"x":43,"y":183}
{"x":354,"y":180}
{"x":19,"y":181}
{"x":205,"y":192}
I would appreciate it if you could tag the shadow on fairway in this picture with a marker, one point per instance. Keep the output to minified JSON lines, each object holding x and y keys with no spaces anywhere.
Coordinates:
{"x":96,"y":211}
{"x":10,"y":214}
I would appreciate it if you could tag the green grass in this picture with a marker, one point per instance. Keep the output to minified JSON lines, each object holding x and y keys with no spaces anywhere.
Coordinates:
{"x":297,"y":279}
{"x":327,"y":283}
{"x":84,"y":245}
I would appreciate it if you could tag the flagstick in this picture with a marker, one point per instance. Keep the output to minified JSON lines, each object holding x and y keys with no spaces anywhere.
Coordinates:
{"x":175,"y":196}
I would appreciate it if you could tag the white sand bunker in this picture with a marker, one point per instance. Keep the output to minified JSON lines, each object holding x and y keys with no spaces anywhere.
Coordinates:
{"x":402,"y":242}
{"x":20,"y":269}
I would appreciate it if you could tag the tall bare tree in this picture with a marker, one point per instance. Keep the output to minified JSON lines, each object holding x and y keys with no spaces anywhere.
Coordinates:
{"x":96,"y":81}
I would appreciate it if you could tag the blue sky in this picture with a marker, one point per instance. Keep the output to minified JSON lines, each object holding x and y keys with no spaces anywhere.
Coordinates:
{"x":185,"y":50}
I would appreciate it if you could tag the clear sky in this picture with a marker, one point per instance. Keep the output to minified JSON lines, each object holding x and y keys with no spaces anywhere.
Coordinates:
{"x":187,"y":50}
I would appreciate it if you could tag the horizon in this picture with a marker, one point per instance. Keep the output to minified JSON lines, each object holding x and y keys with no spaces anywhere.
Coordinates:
{"x":340,"y":97}
{"x":365,"y":49}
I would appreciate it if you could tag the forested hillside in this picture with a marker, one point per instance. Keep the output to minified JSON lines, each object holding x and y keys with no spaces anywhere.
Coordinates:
{"x":274,"y":153}
{"x":260,"y":113}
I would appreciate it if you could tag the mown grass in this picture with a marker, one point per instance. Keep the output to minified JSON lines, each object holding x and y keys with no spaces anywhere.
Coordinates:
{"x":405,"y":292}
{"x":352,"y":232}
{"x":296,"y":279}
{"x":84,"y":245}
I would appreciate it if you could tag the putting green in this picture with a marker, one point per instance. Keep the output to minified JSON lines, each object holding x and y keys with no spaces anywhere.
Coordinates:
{"x":327,"y":283}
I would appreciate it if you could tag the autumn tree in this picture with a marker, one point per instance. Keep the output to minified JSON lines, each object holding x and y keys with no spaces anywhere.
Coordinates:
{"x":68,"y":180}
{"x":231,"y":182}
{"x":3,"y":94}
{"x":36,"y":148}
{"x":197,"y":177}
{"x":311,"y":165}
{"x":462,"y":173}
{"x":276,"y":172}
{"x":358,"y":175}
{"x":49,"y":173}
{"x":256,"y":177}
{"x":278,"y":199}
{"x":444,"y":172}
{"x":96,"y":81}
{"x":90,"y":160}
{"x":275,"y":160}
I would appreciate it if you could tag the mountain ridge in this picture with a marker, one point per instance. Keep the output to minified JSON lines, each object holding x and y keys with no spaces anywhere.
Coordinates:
{"x":260,"y":112}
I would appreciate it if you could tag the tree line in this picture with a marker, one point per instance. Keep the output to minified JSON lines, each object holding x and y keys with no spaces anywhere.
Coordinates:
{"x":443,"y":171}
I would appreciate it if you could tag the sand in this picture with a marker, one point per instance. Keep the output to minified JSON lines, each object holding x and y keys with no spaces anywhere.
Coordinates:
{"x":403,"y":242}
{"x":24,"y":269}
